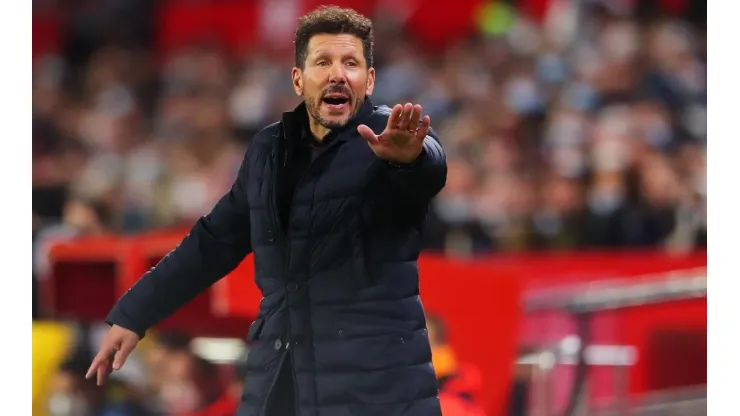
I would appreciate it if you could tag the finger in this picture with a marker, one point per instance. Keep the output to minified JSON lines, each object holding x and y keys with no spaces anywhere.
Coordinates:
{"x":395,"y":117}
{"x":368,"y":134}
{"x":424,"y":128}
{"x":415,"y":116}
{"x":103,"y":371}
{"x":403,"y":122}
{"x":99,"y":359}
{"x":120,"y":358}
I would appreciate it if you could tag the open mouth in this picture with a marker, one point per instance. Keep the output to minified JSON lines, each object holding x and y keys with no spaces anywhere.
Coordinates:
{"x":335,"y":101}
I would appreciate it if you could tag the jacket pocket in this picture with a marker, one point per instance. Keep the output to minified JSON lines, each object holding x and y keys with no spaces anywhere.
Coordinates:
{"x":255,"y":330}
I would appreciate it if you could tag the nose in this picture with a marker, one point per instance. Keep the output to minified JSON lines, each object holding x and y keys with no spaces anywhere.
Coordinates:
{"x":337,"y":74}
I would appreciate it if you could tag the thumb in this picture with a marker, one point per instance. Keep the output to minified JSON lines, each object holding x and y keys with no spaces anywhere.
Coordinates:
{"x":367,"y":134}
{"x":119,"y":360}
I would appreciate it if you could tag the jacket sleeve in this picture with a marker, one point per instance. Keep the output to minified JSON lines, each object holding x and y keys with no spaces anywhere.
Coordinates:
{"x":216,"y":244}
{"x":425,"y":177}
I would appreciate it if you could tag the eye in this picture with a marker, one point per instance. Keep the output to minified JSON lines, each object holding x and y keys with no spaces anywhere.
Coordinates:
{"x":322,"y":63}
{"x":351,"y":63}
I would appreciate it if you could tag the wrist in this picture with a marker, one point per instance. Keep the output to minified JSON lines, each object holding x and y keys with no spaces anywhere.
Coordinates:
{"x":406,"y":163}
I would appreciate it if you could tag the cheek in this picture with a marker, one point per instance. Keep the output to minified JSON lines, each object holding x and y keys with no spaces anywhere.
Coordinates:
{"x":358,"y":82}
{"x":304,"y":85}
{"x":312,"y":89}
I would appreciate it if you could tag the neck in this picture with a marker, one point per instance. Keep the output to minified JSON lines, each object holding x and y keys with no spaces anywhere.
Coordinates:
{"x":318,"y":131}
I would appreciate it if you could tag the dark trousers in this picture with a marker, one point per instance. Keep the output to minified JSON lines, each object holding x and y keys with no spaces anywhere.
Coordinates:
{"x":281,"y":401}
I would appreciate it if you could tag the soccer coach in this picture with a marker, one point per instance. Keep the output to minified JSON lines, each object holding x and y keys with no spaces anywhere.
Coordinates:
{"x":331,"y":200}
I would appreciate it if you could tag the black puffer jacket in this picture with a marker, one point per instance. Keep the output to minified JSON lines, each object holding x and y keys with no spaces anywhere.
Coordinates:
{"x":340,"y":280}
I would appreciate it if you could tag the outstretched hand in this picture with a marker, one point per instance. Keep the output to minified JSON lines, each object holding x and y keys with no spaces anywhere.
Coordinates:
{"x":403,"y":138}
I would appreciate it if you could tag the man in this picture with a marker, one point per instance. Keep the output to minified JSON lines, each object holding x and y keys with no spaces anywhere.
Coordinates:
{"x":331,"y":201}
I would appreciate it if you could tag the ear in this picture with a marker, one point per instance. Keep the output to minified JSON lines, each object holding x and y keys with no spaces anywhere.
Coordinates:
{"x":370,"y":82}
{"x":297,"y":75}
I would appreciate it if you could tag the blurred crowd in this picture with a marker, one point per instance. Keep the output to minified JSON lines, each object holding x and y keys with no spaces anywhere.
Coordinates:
{"x":586,"y":131}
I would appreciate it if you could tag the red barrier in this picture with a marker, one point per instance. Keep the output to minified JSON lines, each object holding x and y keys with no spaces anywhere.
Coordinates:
{"x":663,"y":334}
{"x":672,"y":338}
{"x":479,"y":299}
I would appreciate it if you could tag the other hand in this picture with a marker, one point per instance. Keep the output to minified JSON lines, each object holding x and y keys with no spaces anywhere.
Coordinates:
{"x":117,"y":344}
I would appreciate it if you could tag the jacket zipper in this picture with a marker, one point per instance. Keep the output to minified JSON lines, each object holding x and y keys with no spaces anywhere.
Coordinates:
{"x":276,"y":220}
{"x":291,"y":355}
{"x":284,"y":234}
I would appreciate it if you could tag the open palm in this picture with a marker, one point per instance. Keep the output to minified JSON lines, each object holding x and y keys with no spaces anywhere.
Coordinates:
{"x":403,"y":138}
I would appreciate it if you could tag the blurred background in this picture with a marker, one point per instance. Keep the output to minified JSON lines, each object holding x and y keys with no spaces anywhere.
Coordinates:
{"x":565,"y":263}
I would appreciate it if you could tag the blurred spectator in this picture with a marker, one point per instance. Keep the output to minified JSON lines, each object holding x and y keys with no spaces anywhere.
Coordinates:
{"x":158,"y":356}
{"x":227,"y":403}
{"x":182,"y":383}
{"x":70,"y":395}
{"x":190,"y":385}
{"x":81,"y":217}
{"x":458,"y":382}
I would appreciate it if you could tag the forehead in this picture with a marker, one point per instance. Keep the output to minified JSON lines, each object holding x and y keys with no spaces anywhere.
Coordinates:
{"x":339,"y":44}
